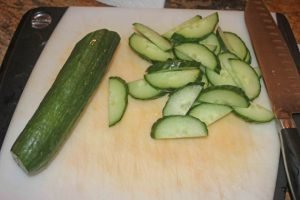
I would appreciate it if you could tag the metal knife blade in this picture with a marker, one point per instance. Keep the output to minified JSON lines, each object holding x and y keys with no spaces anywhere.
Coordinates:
{"x":282,"y":82}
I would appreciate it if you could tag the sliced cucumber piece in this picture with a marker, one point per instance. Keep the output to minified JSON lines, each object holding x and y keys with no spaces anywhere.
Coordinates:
{"x":233,"y":43}
{"x":181,"y":55}
{"x":201,"y":54}
{"x":221,"y":78}
{"x":237,"y":44}
{"x":199,"y":29}
{"x":248,"y":79}
{"x":172,"y":79}
{"x":181,"y":100}
{"x":182,"y":25}
{"x":224,"y":62}
{"x":209,"y":113}
{"x":118,"y":99}
{"x":212,"y":48}
{"x":212,"y":41}
{"x":254,"y":113}
{"x":141,"y":89}
{"x":147,"y":50}
{"x":224,"y":95}
{"x":172,"y":65}
{"x":178,"y":126}
{"x":153,"y":36}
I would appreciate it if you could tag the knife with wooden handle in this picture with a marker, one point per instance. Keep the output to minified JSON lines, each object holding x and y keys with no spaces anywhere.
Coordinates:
{"x":282,"y":82}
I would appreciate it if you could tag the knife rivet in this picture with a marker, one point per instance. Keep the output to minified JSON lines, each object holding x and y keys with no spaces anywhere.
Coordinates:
{"x":40,"y":20}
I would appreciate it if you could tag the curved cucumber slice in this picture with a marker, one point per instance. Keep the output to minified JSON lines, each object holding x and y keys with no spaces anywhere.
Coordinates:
{"x":199,"y":53}
{"x":247,"y":76}
{"x":184,"y":24}
{"x":141,"y":89}
{"x":234,"y":44}
{"x":223,"y":78}
{"x":225,"y":65}
{"x":237,"y":44}
{"x":172,"y":79}
{"x":118,"y":98}
{"x":147,"y":50}
{"x":181,"y":55}
{"x":178,"y":126}
{"x":153,"y":36}
{"x":254,"y":113}
{"x":212,"y":40}
{"x":201,"y":28}
{"x":224,"y":95}
{"x":181,"y":101}
{"x":209,"y":113}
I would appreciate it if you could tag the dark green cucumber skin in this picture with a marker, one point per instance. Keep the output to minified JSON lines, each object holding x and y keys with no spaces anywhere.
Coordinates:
{"x":52,"y":122}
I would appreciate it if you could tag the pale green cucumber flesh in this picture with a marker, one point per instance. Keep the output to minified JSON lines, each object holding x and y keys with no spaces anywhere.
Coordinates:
{"x":212,"y":40}
{"x":172,"y":79}
{"x":201,"y":28}
{"x":209,"y":113}
{"x":225,"y":65}
{"x":181,"y":55}
{"x":147,"y":50}
{"x":254,"y":113}
{"x":224,"y":95}
{"x":221,"y":78}
{"x":178,"y":126}
{"x":141,"y":89}
{"x":200,"y":54}
{"x":234,"y":44}
{"x":182,"y":25}
{"x":117,"y":99}
{"x":181,"y":100}
{"x":248,"y":78}
{"x":153,"y":36}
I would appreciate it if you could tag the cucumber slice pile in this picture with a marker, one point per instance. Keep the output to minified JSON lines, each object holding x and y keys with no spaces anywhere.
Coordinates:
{"x":206,"y":71}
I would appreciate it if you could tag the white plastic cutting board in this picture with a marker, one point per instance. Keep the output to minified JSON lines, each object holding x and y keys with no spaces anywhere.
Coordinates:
{"x":237,"y":160}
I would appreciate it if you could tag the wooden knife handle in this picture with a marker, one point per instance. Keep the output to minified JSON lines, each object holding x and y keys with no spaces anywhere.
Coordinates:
{"x":291,"y":153}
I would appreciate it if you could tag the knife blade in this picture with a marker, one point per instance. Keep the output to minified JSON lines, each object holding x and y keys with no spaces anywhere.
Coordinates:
{"x":282,"y":82}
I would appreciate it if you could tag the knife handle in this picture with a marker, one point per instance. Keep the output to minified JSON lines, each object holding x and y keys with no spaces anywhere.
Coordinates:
{"x":290,"y":139}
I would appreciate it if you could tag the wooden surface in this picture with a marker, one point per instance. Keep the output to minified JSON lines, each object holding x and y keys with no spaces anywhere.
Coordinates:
{"x":238,"y":160}
{"x":12,"y":11}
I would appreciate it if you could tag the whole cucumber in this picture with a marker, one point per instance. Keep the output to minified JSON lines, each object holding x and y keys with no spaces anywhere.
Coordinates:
{"x":51,"y":124}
